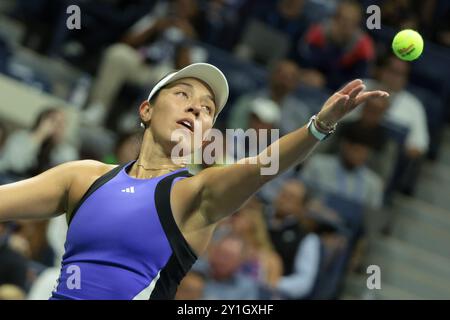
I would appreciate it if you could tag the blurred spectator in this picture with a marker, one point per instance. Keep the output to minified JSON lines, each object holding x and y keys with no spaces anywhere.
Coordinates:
{"x":221,"y":22}
{"x":151,"y":49}
{"x":30,"y":152}
{"x":399,"y":14}
{"x":283,"y":227}
{"x":225,"y":281}
{"x":103,"y":22}
{"x":442,"y":29}
{"x":5,"y":54}
{"x":44,"y":284}
{"x":299,"y":250}
{"x":122,"y":64}
{"x":47,"y":249}
{"x":346,"y":174}
{"x":3,"y":136}
{"x":382,"y":160}
{"x":11,"y":292}
{"x":13,"y":265}
{"x":267,"y":35}
{"x":415,"y":14}
{"x":56,"y":237}
{"x":287,"y":16}
{"x":191,"y":287}
{"x":262,"y":262}
{"x":35,"y":233}
{"x":264,"y":115}
{"x":405,"y":109}
{"x":338,"y":47}
{"x":372,"y":114}
{"x":127,"y":148}
{"x":269,"y":191}
{"x":174,"y":19}
{"x":283,"y":82}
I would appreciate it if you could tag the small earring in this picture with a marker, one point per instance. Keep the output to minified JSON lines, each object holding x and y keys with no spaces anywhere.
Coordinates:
{"x":142,"y":125}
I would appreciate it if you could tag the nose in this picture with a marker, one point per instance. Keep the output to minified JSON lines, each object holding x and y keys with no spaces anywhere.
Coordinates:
{"x":194,"y":108}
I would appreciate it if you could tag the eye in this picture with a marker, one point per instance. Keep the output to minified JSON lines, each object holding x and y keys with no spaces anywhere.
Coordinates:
{"x":182,"y":93}
{"x":208,"y":109}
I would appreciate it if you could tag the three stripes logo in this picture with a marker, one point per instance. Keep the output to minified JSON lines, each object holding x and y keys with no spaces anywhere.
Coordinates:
{"x":128,"y":190}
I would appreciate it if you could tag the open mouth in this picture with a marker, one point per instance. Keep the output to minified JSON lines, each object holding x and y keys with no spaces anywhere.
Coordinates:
{"x":187,"y":124}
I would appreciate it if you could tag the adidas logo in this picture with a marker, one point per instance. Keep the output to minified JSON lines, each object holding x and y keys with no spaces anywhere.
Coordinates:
{"x":128,"y":190}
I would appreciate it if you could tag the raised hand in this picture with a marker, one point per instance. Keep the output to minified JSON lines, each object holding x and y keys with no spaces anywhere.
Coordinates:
{"x":345,"y":100}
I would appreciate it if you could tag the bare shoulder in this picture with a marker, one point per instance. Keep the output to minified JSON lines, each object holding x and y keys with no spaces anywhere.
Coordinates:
{"x":88,"y":170}
{"x":84,"y":173}
{"x":92,"y":166}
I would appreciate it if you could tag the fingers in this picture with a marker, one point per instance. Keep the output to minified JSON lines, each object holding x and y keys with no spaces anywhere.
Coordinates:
{"x":341,"y":100}
{"x":363,"y":97}
{"x":350,"y":86}
{"x":357,"y":90}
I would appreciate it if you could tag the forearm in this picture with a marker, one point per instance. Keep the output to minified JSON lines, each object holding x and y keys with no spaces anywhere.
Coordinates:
{"x":224,"y":190}
{"x":288,"y":151}
{"x":227,"y":188}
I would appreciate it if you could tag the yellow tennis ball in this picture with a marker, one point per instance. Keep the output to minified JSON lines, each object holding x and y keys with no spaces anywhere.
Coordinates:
{"x":407,"y":45}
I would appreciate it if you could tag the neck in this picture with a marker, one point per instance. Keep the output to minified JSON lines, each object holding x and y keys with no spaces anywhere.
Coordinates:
{"x":153,"y":161}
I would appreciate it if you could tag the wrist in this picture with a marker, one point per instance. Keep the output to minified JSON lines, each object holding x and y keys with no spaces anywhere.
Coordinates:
{"x":323,"y":125}
{"x":319,"y":131}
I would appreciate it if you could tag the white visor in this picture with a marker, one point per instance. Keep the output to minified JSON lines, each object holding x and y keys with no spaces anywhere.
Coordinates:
{"x":206,"y":72}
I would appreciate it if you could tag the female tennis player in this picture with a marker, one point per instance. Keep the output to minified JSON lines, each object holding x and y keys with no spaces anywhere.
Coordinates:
{"x":135,"y":230}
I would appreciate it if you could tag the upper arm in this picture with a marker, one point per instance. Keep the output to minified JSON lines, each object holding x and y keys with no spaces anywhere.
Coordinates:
{"x":215,"y":193}
{"x":42,"y":196}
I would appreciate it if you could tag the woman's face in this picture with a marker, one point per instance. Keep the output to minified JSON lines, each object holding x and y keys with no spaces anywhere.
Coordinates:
{"x":184,"y":108}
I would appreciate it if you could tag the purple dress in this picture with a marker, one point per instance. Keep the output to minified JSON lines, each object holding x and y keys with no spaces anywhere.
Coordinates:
{"x":123,"y":242}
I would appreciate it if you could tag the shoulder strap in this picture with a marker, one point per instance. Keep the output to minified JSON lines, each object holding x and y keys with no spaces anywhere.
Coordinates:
{"x":183,"y":257}
{"x":162,"y":204}
{"x":97,"y":184}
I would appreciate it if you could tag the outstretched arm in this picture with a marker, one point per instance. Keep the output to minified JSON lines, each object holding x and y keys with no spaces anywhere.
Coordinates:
{"x":43,"y":196}
{"x":221,"y":191}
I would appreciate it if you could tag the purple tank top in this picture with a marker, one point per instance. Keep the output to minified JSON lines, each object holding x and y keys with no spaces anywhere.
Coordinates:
{"x":123,"y":242}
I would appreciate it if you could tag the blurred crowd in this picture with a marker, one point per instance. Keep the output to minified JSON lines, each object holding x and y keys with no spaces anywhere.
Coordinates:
{"x":301,"y":234}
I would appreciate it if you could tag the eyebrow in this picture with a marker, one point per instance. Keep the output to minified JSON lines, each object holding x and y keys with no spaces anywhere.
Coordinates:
{"x":191,"y":86}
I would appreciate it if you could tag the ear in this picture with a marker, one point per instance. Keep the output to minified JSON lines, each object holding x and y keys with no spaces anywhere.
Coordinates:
{"x":145,"y":112}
